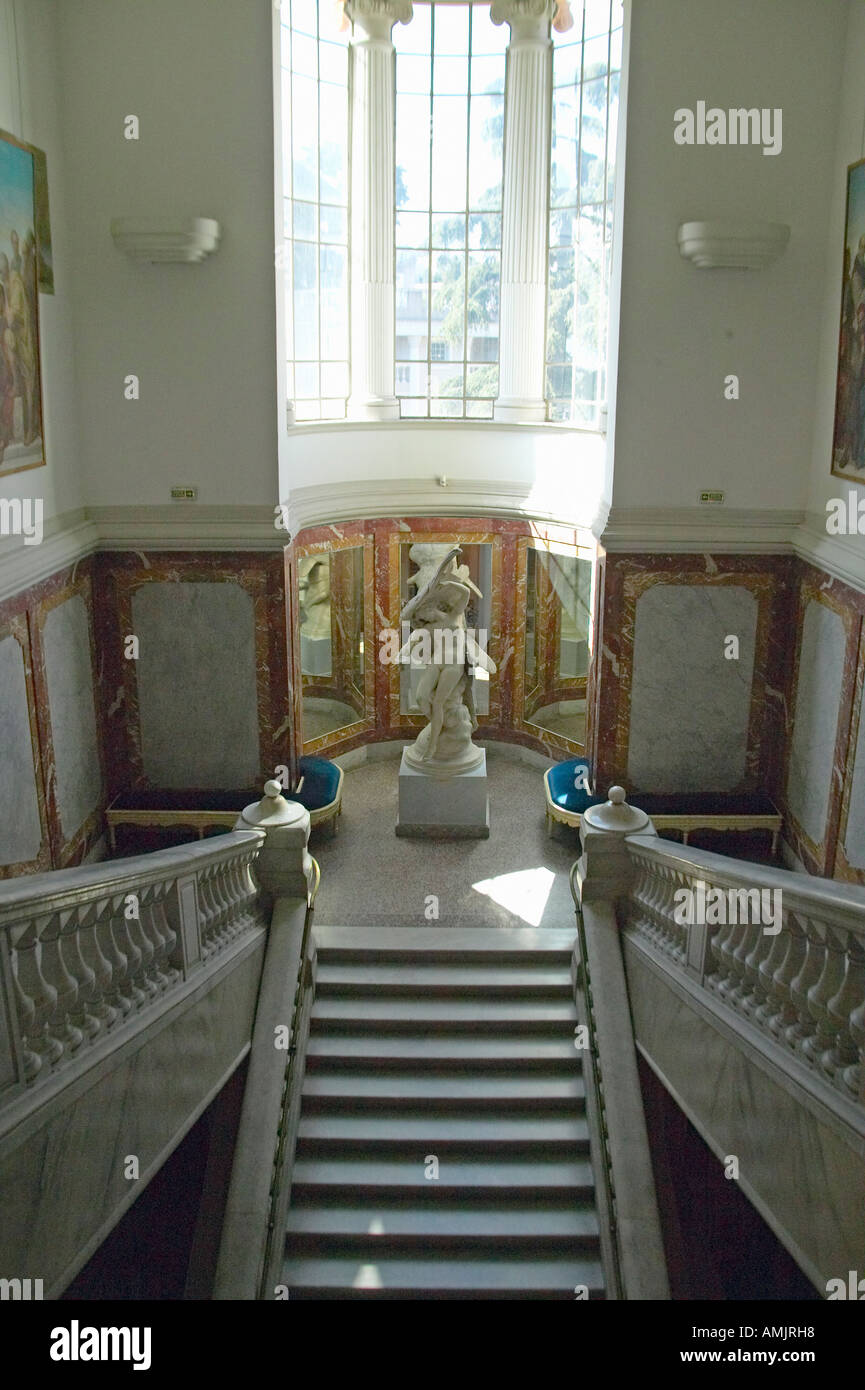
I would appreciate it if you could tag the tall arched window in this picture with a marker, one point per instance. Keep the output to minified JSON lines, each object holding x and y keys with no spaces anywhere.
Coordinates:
{"x":314,"y":56}
{"x":450,"y":82}
{"x":587,"y":60}
{"x":473,"y":296}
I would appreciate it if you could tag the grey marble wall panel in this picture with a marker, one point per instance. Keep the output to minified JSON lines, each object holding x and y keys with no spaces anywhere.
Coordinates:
{"x":62,"y":1173}
{"x":69,"y":676}
{"x":803,"y":1175}
{"x":197,"y":684}
{"x":690,"y":706}
{"x":20,"y":829}
{"x":854,"y":839}
{"x":815,"y":720}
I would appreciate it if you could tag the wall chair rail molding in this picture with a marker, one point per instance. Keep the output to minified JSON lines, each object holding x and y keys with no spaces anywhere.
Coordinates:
{"x":187,"y":526}
{"x":166,"y":238}
{"x":732,"y":244}
{"x":843,"y":557}
{"x":67,"y":539}
{"x":685,"y":529}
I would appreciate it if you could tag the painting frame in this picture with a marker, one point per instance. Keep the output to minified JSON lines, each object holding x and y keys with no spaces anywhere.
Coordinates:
{"x":22,"y":443}
{"x":848,"y":428}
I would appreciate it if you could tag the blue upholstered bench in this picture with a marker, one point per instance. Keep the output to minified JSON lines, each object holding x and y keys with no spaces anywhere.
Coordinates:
{"x":320,"y":791}
{"x":565,"y":800}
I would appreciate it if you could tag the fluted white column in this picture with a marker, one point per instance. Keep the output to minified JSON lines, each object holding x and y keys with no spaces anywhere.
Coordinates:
{"x":522,"y":320}
{"x":372,"y":207}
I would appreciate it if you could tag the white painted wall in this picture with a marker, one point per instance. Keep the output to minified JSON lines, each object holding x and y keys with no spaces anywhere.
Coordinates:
{"x":847,"y":149}
{"x":201,"y":338}
{"x":683,"y":329}
{"x":29,"y":110}
{"x":539,"y":471}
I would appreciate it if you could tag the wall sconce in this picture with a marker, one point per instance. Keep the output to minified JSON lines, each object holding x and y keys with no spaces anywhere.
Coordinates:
{"x":171,"y":239}
{"x":738,"y":244}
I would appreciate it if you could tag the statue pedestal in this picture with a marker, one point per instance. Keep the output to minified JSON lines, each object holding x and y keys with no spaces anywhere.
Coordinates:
{"x":454,"y":807}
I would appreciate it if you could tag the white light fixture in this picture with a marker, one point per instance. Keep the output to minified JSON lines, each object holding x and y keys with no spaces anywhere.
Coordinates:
{"x":740,"y":244}
{"x":183,"y":240}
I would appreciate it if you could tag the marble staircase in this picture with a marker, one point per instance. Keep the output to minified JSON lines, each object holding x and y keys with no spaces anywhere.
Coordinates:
{"x":443,"y":1146}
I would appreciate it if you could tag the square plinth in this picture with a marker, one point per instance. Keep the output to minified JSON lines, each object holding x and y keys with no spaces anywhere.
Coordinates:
{"x":444,"y":808}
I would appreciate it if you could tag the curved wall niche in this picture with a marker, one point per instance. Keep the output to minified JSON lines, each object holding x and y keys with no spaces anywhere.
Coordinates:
{"x":349,"y":583}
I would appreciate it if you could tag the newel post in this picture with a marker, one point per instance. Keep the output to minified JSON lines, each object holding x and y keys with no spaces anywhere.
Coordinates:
{"x":604,"y":870}
{"x":284,"y":867}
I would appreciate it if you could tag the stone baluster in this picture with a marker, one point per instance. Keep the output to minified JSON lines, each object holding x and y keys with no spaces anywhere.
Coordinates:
{"x":233,"y":922}
{"x":750,"y":938}
{"x":721,"y":950}
{"x":825,"y":1033}
{"x":840,"y":1008}
{"x":785,"y":1014}
{"x":219,"y":926}
{"x":42,"y":995}
{"x":151,"y":931}
{"x":209,"y":914}
{"x":23,"y":982}
{"x":809,"y":973}
{"x":72,"y":929}
{"x":131,"y":951}
{"x":772,"y":993}
{"x":145,"y":976}
{"x":110,"y":939}
{"x":854,"y":1075}
{"x":98,"y":962}
{"x":65,"y":987}
{"x":172,"y":951}
{"x":753,"y":989}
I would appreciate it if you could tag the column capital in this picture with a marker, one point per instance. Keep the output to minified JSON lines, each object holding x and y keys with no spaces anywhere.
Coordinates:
{"x":529,"y":19}
{"x":377,"y":17}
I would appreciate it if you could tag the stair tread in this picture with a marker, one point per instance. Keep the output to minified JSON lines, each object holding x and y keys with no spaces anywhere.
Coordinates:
{"x":413,"y":976}
{"x":392,"y":1272}
{"x":379,"y":1130}
{"x":381,"y":1088}
{"x":443,"y":942}
{"x":459,"y":1172}
{"x":398,"y":1014}
{"x":423,"y":1048}
{"x":380,"y":1222}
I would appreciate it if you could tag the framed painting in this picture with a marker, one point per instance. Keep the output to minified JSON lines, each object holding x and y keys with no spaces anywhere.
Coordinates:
{"x":848,"y":439}
{"x":21,"y":443}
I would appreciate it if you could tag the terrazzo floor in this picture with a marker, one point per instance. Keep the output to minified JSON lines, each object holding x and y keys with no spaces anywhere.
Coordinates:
{"x":518,"y":877}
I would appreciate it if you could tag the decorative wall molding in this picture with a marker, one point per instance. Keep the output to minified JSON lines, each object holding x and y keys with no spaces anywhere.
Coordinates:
{"x":188,"y":526}
{"x":671,"y":530}
{"x":374,"y":497}
{"x":841,"y":556}
{"x":67,"y":538}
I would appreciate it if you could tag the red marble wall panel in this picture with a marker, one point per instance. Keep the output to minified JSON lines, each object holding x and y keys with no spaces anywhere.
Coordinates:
{"x":623,"y":578}
{"x":117,"y":577}
{"x":826,"y":856}
{"x":23,"y":617}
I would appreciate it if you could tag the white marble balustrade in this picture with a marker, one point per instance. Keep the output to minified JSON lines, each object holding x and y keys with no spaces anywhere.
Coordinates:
{"x":802,"y":986}
{"x":83,"y":951}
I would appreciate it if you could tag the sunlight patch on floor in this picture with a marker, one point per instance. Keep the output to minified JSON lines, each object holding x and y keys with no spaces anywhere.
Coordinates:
{"x":523,"y":893}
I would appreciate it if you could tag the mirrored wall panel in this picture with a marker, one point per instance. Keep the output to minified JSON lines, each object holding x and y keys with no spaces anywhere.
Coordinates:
{"x":331,"y":594}
{"x":557,"y":582}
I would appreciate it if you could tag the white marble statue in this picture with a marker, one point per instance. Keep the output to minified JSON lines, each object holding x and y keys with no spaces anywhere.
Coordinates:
{"x":446,"y":650}
{"x":313,"y":587}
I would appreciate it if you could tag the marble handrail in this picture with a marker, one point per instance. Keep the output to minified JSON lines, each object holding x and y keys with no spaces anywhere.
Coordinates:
{"x":84,"y":950}
{"x":799,"y":978}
